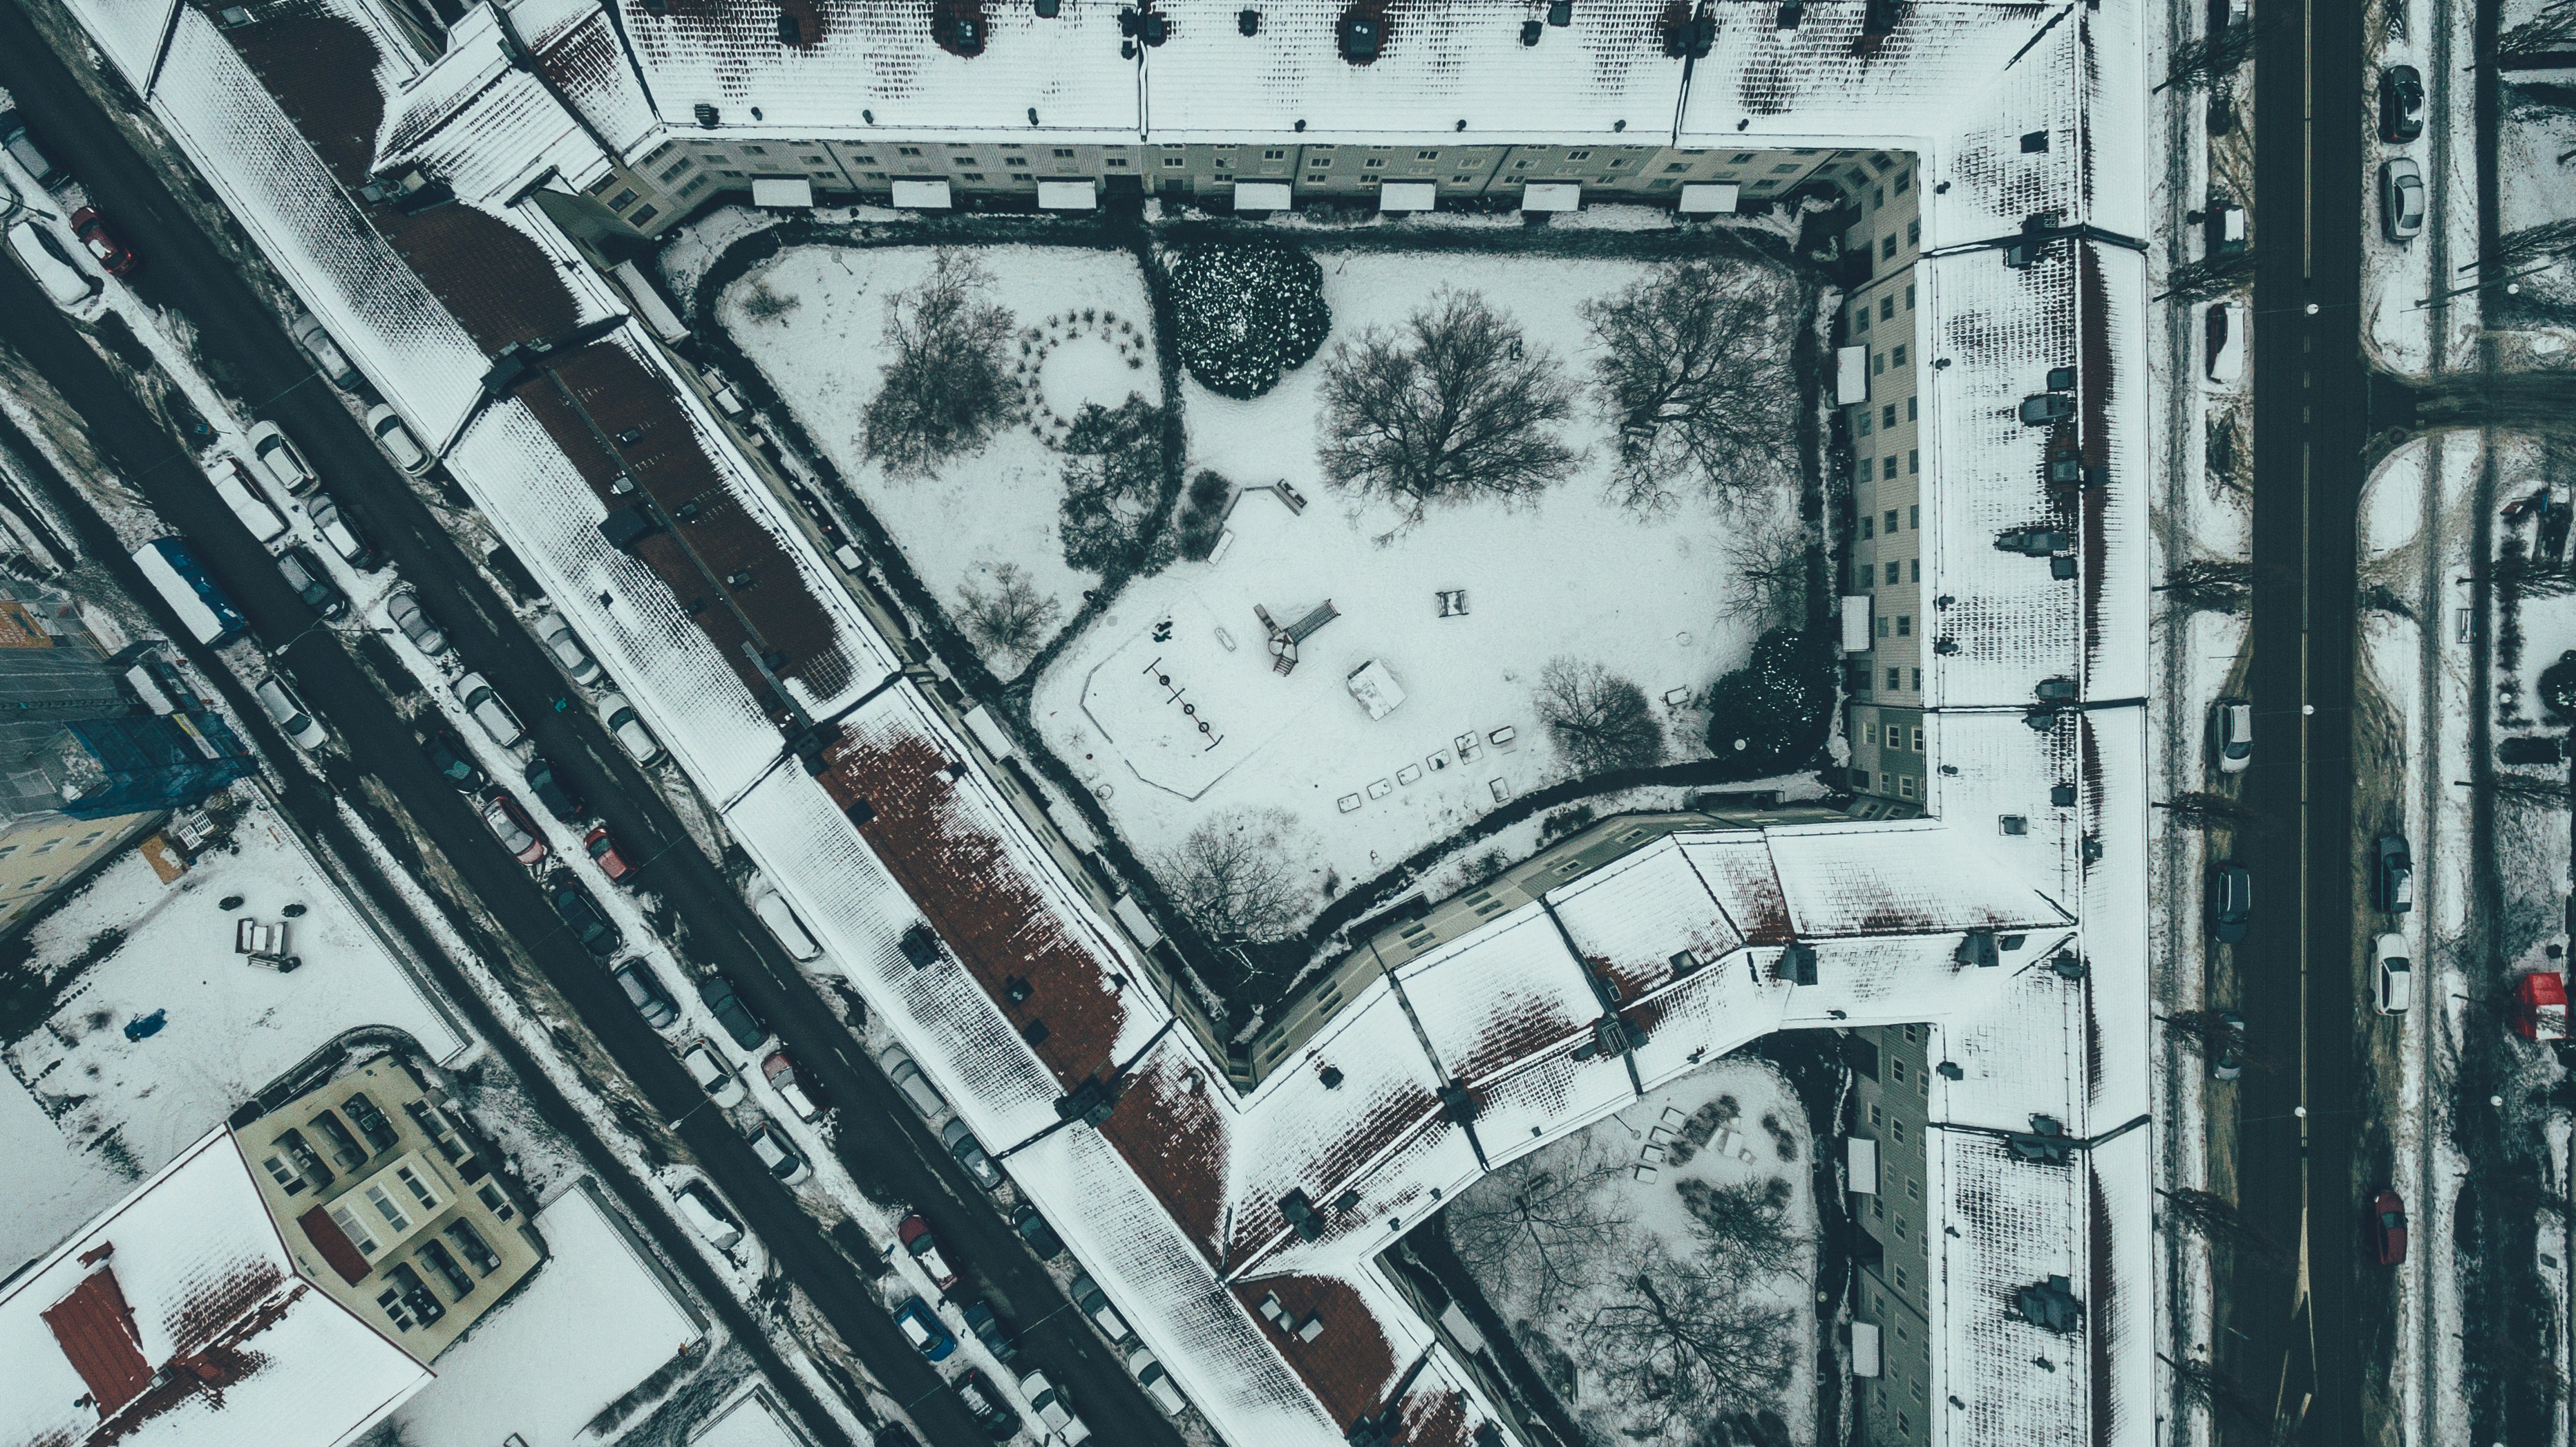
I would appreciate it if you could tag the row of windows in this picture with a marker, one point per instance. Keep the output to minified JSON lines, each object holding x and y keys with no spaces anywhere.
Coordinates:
{"x":1885,"y":468}
{"x":1894,"y":736}
{"x":1886,"y":308}
{"x":1895,"y":573}
{"x":1904,"y":623}
{"x":1895,"y":680}
{"x":1913,"y":520}
{"x":1865,"y":421}
{"x":50,"y":845}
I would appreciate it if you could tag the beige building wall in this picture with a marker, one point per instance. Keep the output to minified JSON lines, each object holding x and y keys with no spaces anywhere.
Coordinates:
{"x":40,"y":853}
{"x":1886,"y":682}
{"x":1893,"y":1104}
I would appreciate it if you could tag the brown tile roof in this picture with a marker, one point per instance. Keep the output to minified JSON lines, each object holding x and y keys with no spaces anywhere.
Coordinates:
{"x":322,"y":70}
{"x":1350,"y":1365}
{"x":501,"y":285}
{"x":1170,"y":1130}
{"x":96,"y":1330}
{"x":980,"y":900}
{"x":334,"y":1245}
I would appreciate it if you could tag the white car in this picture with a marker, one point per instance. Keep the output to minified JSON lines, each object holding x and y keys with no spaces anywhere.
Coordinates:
{"x":712,"y":1075}
{"x":278,"y":458}
{"x":342,"y":534}
{"x":619,"y":717}
{"x":327,"y":357}
{"x":407,"y":615}
{"x":1157,"y":1383}
{"x":2231,"y":734}
{"x":565,"y":645}
{"x":488,"y":710}
{"x":287,"y":711}
{"x":45,"y":260}
{"x":2401,"y":199}
{"x":2225,"y":352}
{"x":386,"y":426}
{"x":1045,"y":1401}
{"x":698,"y":1207}
{"x":783,"y":1163}
{"x":2396,"y":975}
{"x":782,"y":922}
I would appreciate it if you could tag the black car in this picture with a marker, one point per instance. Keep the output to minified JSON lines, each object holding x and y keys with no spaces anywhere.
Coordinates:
{"x":446,"y":754}
{"x":989,"y":1407}
{"x":2392,"y":875}
{"x":583,"y":917}
{"x":2401,"y":104}
{"x":1033,"y":1229}
{"x":731,"y":1012}
{"x":304,"y":573}
{"x":2231,"y":902}
{"x":551,"y":791}
{"x":989,"y":1330}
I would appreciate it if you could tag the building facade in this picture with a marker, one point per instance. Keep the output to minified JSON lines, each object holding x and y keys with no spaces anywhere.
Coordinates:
{"x":1891,"y":1068}
{"x":1885,"y":683}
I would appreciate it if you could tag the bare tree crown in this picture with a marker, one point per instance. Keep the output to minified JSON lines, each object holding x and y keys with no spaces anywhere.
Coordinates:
{"x":1694,"y":373}
{"x":948,"y":388}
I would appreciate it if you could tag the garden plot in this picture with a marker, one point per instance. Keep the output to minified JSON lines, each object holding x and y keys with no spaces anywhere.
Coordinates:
{"x":1702,"y":1189}
{"x":1171,"y":709}
{"x":813,"y":319}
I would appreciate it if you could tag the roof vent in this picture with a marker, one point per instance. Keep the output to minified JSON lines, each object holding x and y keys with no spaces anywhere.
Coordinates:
{"x":2067,"y":966}
{"x":921,"y":945}
{"x":1798,"y":963}
{"x":1331,"y":1075}
{"x":1248,"y":21}
{"x":2061,"y":795}
{"x":1531,"y":30}
{"x":957,"y":28}
{"x":1459,"y":1103}
{"x":1977,"y":948}
{"x":1790,"y":14}
{"x":1359,"y":35}
{"x":1153,"y":27}
{"x":861,"y":812}
{"x":1949,"y":1070}
{"x":2046,"y":1141}
{"x":1300,"y":1214}
{"x":1035,"y":1032}
{"x":1690,"y":35}
{"x":2050,"y":1306}
{"x":1091,"y":1102}
{"x":1049,"y":9}
{"x":1560,"y":13}
{"x":2034,"y":142}
{"x":707,"y":115}
{"x":1879,"y":18}
{"x":789,"y":31}
{"x":628,"y":526}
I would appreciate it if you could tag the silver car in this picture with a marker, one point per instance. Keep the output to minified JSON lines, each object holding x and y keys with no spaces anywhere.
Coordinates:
{"x":488,"y":710}
{"x":407,"y":615}
{"x":620,"y":719}
{"x":2401,"y":198}
{"x":565,"y":645}
{"x":287,"y":711}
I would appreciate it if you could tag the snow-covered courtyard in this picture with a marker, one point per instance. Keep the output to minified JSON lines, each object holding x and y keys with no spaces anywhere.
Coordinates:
{"x":1700,"y":1191}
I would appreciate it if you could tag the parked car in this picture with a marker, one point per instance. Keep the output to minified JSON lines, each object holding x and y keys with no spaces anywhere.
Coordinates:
{"x":446,"y":754}
{"x":2223,"y":227}
{"x":551,"y":791}
{"x":410,"y":620}
{"x":511,"y":825}
{"x":2227,"y":1052}
{"x":46,"y":261}
{"x":22,"y":149}
{"x":707,"y":1216}
{"x":2231,"y":902}
{"x":304,"y":573}
{"x":488,"y":709}
{"x":2401,"y":198}
{"x":731,"y":1012}
{"x":1157,"y":1383}
{"x":2392,"y":875}
{"x":622,"y":723}
{"x":582,"y":915}
{"x":712,"y":1075}
{"x":386,"y":426}
{"x":2224,"y":350}
{"x":986,"y":1404}
{"x":646,"y":994}
{"x":1033,"y":1229}
{"x":923,"y":1247}
{"x":327,"y":357}
{"x":2388,"y":1228}
{"x":2231,"y":734}
{"x":776,"y":1154}
{"x":565,"y":645}
{"x":278,"y":458}
{"x":2040,"y":409}
{"x":783,"y":1077}
{"x":916,"y":1087}
{"x":2401,"y":104}
{"x":990,"y":1330}
{"x":1044,"y":1400}
{"x":2396,"y":974}
{"x":342,"y":534}
{"x":287,"y":711}
{"x":112,"y":255}
{"x":783,"y":923}
{"x":1087,"y":1294}
{"x":603,"y":852}
{"x":970,"y":1153}
{"x":921,"y":1327}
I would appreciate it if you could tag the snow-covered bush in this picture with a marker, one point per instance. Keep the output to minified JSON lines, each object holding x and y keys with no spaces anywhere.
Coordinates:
{"x":1246,"y":312}
{"x":1769,"y":716}
{"x":1113,"y":485}
{"x":2558,"y":687}
{"x":1203,"y":513}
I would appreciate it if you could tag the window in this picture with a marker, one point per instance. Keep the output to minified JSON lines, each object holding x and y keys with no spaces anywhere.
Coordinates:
{"x":1909,"y":297}
{"x":419,"y":1188}
{"x":356,"y":1230}
{"x":1426,"y":155}
{"x":1887,"y":249}
{"x":1918,"y":688}
{"x":1904,"y":790}
{"x":809,"y":160}
{"x":1882,"y":628}
{"x":1175,"y":162}
{"x":970,"y":175}
{"x":1913,"y":1189}
{"x":1887,"y":308}
{"x":1782,"y":168}
{"x":284,"y":1174}
{"x":1224,"y":163}
{"x":1877,"y":363}
{"x":1865,"y":524}
{"x":755,"y":150}
{"x":1897,"y":1068}
{"x":1890,"y":462}
{"x":1909,"y":1034}
{"x":1617,"y":161}
{"x":1891,"y":522}
{"x":1874,"y":1121}
{"x":49,"y":846}
{"x":1064,"y":153}
{"x":1909,"y":408}
{"x":391,"y":1302}
{"x":1865,"y":421}
{"x":1739,"y":158}
{"x":492,"y":1199}
{"x":693,"y":188}
{"x":1914,"y":517}
{"x":1896,"y":354}
{"x":1869,"y":733}
{"x":1117,"y":163}
{"x":1877,"y":197}
{"x":1903,"y":180}
{"x":1886,"y":781}
{"x":1897,"y":1128}
{"x":1460,"y":180}
{"x":1877,"y":1206}
{"x":876,"y":175}
{"x":389,"y":1208}
{"x":1274,"y":155}
{"x":1860,"y":317}
{"x":1904,"y":625}
{"x":1374,"y":162}
{"x":1015,"y":160}
{"x":1578,"y":155}
{"x":1891,"y":577}
{"x":1916,"y":564}
{"x":673,"y":174}
{"x":961,"y":162}
{"x":624,"y":198}
{"x":1319,"y":162}
{"x":1887,"y":418}
{"x":1676,"y":168}
{"x":644,"y":214}
{"x":1913,"y":233}
{"x":916,"y":150}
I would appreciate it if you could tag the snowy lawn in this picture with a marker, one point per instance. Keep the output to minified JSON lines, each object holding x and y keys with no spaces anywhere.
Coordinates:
{"x":54,"y":1185}
{"x":1556,"y":1240}
{"x":826,"y":353}
{"x":1574,"y":574}
{"x":228,"y":1027}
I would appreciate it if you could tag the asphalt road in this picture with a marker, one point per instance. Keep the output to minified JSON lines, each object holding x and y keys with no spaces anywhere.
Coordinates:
{"x":885,"y":1144}
{"x":2293,"y":1339}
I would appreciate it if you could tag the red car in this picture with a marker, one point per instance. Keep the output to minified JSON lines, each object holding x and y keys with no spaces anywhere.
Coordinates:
{"x":924,"y":1248}
{"x":114,"y":256}
{"x":2388,"y":1229}
{"x":509,"y":823}
{"x":802,"y":1095}
{"x":604,"y":849}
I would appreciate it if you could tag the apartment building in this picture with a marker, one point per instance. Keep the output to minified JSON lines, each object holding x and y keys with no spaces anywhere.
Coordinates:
{"x":389,"y":1205}
{"x":1886,"y":680}
{"x":1894,"y":1240}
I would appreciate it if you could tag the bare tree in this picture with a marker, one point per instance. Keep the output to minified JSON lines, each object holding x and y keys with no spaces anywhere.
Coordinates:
{"x":2211,"y":585}
{"x":2196,"y":808}
{"x":1451,"y":405}
{"x":2530,"y":244}
{"x":1599,"y":721}
{"x":1694,"y":374}
{"x":1749,"y":1218}
{"x":1543,"y":1223}
{"x":2209,"y":1033}
{"x":2206,"y":58}
{"x":2214,"y":1218}
{"x":2216,"y":1390}
{"x":1685,"y":1341}
{"x":1236,"y":878}
{"x":764,"y":304}
{"x":1013,"y":618}
{"x":948,"y":388}
{"x":1766,"y":576}
{"x":2208,"y":277}
{"x":2551,"y":31}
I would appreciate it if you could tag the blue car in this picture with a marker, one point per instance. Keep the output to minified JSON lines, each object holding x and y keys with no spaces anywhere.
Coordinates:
{"x":921,"y":1327}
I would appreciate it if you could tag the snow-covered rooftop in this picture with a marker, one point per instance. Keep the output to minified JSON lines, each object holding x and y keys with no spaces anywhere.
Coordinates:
{"x":177,"y":1317}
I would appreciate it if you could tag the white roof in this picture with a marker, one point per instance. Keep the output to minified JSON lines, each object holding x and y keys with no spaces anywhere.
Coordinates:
{"x":1264,"y":196}
{"x":189,"y":1273}
{"x":1408,"y":196}
{"x":791,"y":193}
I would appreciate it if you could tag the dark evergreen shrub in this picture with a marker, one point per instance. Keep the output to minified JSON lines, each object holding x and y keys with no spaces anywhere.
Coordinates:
{"x":1770,"y":716}
{"x":1246,"y":313}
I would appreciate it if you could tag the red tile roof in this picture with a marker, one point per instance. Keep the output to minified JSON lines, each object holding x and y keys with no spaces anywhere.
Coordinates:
{"x":1350,"y":1365}
{"x":328,"y":1239}
{"x":322,"y":70}
{"x":96,"y":1330}
{"x":1170,"y":1130}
